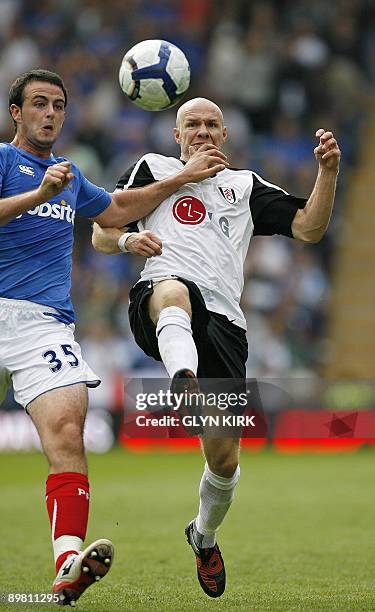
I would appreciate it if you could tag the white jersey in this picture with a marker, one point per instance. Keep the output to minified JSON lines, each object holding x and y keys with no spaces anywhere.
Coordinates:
{"x":206,"y":228}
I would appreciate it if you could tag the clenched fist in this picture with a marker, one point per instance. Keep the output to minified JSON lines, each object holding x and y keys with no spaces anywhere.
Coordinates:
{"x":55,"y":179}
{"x":327,"y":153}
{"x":203,"y":163}
{"x":144,"y":243}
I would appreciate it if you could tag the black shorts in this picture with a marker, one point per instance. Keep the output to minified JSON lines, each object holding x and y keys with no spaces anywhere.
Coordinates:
{"x":222,"y":346}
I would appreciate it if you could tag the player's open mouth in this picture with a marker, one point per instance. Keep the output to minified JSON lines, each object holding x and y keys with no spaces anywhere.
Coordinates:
{"x":48,"y":128}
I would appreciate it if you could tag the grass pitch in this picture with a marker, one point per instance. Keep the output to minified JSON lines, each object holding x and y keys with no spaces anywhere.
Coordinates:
{"x":300,"y":534}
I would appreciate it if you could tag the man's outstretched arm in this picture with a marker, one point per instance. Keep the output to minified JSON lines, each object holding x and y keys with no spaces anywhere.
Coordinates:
{"x":311,"y":222}
{"x":132,"y":204}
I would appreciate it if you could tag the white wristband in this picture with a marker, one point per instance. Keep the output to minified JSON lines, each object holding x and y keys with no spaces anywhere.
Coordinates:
{"x":122,"y":242}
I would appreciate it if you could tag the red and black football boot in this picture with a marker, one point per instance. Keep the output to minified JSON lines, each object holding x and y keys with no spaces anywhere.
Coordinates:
{"x":81,"y":570}
{"x":210,"y":565}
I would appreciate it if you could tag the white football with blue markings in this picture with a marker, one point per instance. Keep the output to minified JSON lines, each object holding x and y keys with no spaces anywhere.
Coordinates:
{"x":154,"y":74}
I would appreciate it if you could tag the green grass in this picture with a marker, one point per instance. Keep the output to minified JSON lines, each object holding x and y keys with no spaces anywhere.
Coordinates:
{"x":300,"y":534}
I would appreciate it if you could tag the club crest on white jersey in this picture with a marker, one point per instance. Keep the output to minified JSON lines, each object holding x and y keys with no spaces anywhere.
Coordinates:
{"x":229,"y":194}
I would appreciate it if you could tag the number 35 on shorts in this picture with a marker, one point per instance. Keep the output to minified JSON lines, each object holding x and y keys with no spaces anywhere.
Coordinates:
{"x":56,"y":361}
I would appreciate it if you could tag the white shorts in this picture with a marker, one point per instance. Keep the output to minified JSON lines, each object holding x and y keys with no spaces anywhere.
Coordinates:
{"x":38,"y":353}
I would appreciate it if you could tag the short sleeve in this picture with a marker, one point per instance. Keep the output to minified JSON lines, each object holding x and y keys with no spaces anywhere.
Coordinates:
{"x":272,"y":208}
{"x":91,"y":199}
{"x":138,"y":175}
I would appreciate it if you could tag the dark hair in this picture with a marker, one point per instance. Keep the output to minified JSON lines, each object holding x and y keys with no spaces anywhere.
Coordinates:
{"x":17,"y":88}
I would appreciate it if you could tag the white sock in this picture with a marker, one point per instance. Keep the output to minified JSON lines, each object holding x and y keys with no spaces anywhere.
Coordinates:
{"x":64,"y":543}
{"x":216,"y":495}
{"x":175,"y":339}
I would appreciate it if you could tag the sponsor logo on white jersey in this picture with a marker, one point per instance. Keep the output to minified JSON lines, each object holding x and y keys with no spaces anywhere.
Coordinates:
{"x":189,"y":210}
{"x":61,"y":211}
{"x":26,"y":170}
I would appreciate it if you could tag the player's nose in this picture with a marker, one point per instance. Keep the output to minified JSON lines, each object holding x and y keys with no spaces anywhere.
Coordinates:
{"x":50,"y":110}
{"x":202,"y":131}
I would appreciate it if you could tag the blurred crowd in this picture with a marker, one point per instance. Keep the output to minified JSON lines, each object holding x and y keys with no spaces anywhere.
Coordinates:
{"x":280,"y":69}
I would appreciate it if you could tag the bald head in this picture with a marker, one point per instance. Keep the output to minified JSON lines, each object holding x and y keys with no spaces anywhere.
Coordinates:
{"x":198,"y":122}
{"x":198,"y":105}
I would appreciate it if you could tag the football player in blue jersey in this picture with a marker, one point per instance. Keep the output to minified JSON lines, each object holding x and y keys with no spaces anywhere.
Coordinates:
{"x":185,"y":310}
{"x":40,"y":196}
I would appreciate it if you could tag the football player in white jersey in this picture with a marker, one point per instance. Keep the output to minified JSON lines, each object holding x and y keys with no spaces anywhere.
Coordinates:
{"x":39,"y":198}
{"x":185,"y":309}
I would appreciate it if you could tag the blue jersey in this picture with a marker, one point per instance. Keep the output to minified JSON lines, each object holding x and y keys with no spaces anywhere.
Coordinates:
{"x":36,"y":247}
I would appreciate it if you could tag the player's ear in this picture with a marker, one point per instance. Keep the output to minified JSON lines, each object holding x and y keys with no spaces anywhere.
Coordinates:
{"x":177,"y":135}
{"x":15,"y":112}
{"x":225,"y":133}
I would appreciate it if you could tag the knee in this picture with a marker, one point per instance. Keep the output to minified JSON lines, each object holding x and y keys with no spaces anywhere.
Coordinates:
{"x":67,"y":433}
{"x":178,"y":295}
{"x":173,"y":294}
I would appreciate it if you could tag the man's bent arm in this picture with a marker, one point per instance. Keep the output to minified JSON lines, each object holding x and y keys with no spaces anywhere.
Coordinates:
{"x":15,"y":205}
{"x":311,"y":222}
{"x":55,"y":179}
{"x":133,"y":204}
{"x":105,"y":239}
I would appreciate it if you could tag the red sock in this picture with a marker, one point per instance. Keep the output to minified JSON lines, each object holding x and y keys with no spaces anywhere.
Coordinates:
{"x":67,"y":498}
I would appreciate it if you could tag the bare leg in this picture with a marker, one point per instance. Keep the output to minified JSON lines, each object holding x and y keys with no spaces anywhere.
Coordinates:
{"x":168,"y":293}
{"x":222,"y":455}
{"x":59,"y":417}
